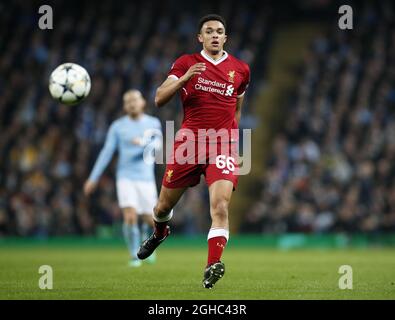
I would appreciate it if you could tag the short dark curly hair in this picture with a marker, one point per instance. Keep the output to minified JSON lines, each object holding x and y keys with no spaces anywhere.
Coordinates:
{"x":210,"y":17}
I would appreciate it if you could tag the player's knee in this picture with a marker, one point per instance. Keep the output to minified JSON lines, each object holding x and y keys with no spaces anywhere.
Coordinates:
{"x":219,"y":209}
{"x":130,"y":220}
{"x":129,"y":216}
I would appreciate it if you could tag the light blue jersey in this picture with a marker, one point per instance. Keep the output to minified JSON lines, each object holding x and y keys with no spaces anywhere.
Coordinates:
{"x":129,"y":137}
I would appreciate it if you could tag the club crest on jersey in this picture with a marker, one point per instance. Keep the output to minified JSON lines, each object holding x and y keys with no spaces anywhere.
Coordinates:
{"x":231,"y":76}
{"x":169,"y":174}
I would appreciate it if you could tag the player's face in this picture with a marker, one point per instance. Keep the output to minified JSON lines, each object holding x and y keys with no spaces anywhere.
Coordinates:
{"x":133,"y":103}
{"x":212,"y":36}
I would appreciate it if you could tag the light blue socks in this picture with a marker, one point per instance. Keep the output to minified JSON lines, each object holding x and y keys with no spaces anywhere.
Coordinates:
{"x":131,"y":234}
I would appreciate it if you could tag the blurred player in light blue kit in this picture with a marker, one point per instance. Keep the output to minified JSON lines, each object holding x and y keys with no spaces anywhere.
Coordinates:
{"x":135,"y":136}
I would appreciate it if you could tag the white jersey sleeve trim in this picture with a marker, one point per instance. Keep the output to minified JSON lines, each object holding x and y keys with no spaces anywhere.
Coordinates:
{"x":240,"y":95}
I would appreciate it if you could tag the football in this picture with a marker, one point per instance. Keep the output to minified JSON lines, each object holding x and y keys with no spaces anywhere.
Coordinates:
{"x":69,"y":83}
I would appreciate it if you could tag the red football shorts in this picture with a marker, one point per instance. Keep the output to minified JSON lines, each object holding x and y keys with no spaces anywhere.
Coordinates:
{"x":190,"y":159}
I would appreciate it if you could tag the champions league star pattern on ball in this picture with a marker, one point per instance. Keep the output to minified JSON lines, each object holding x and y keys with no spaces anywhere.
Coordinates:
{"x":69,"y":83}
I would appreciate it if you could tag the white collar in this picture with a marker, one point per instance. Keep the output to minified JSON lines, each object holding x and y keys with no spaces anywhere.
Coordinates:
{"x":214,"y":62}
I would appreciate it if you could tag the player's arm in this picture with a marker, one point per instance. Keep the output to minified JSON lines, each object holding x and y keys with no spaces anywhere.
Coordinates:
{"x":102,"y":161}
{"x":239,"y":104}
{"x":172,"y":84}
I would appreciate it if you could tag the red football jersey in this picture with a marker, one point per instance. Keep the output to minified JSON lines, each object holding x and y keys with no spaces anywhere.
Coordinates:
{"x":209,"y":99}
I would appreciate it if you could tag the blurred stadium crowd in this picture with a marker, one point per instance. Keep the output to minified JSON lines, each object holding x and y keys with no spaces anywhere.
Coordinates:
{"x":332,"y":168}
{"x":48,"y":150}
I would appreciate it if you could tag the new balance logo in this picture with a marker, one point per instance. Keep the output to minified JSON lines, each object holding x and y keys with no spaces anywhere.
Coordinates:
{"x":225,"y":171}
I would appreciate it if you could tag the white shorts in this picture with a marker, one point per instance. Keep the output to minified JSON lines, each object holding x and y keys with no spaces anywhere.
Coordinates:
{"x":140,"y":195}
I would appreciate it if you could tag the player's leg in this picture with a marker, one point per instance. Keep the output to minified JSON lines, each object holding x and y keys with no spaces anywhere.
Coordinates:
{"x":221,"y":176}
{"x":163,"y":212}
{"x":147,"y":199}
{"x":220,"y":194}
{"x":127,"y":199}
{"x":175,"y":181}
{"x":131,"y":234}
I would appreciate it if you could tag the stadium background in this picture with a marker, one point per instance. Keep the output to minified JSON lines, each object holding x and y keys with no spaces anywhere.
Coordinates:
{"x":320,"y":104}
{"x":321,"y":193}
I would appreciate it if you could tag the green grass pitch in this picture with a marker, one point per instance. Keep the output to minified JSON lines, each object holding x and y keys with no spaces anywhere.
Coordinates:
{"x":101,"y":272}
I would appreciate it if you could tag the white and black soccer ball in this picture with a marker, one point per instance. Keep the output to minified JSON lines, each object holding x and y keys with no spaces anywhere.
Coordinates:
{"x":69,"y":83}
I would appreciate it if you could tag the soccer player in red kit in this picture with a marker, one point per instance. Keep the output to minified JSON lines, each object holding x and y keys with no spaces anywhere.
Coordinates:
{"x":212,"y":85}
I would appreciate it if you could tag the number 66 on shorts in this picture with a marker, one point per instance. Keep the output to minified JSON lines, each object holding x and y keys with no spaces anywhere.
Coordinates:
{"x":222,"y":167}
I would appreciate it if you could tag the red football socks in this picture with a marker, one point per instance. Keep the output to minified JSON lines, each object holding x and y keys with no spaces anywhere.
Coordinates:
{"x":160,"y":229}
{"x":216,"y":246}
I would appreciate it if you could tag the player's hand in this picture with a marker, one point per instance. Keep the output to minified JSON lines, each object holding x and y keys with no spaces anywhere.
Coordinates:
{"x":197,"y":68}
{"x":89,"y":187}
